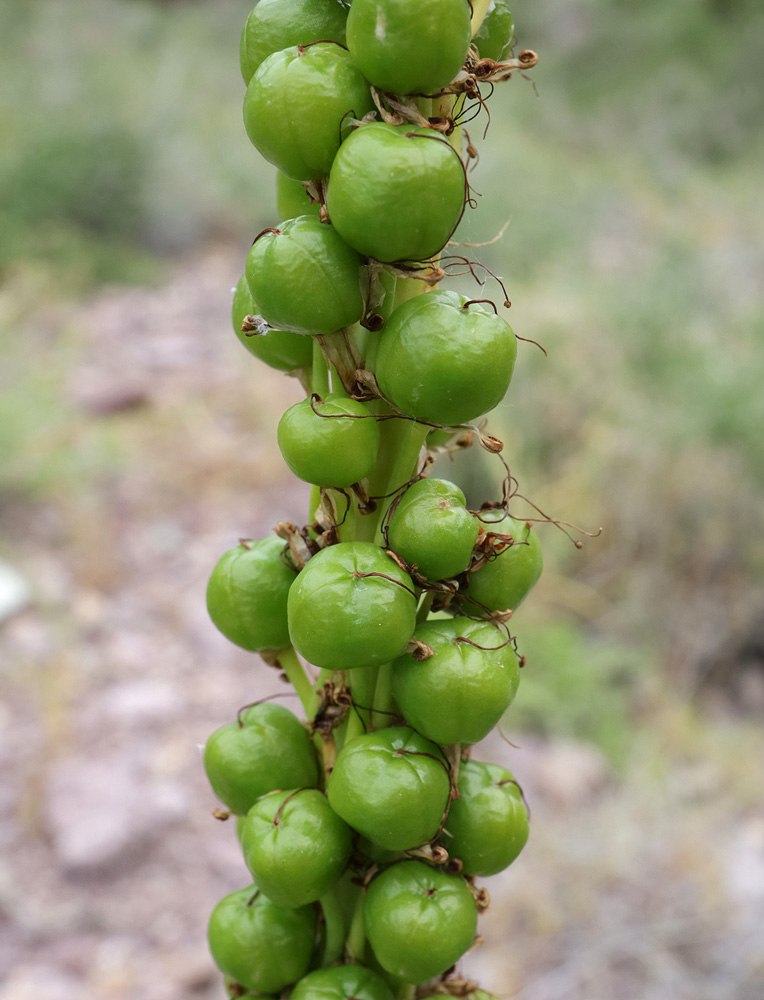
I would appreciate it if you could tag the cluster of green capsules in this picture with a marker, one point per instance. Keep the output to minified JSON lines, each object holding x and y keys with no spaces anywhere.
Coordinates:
{"x":365,"y":827}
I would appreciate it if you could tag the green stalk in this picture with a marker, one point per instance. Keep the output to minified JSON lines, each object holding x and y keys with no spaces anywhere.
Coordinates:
{"x":334,"y":929}
{"x":315,"y":502}
{"x":424,"y":607}
{"x":479,"y":11}
{"x":290,"y":664}
{"x":363,"y":683}
{"x":383,"y":701}
{"x":320,"y":380}
{"x":356,"y":939}
{"x":403,"y":465}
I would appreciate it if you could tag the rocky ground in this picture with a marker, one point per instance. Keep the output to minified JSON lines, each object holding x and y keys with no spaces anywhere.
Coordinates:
{"x":646,"y":885}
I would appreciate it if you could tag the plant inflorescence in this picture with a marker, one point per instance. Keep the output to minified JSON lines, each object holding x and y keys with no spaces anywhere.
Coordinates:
{"x":365,"y":827}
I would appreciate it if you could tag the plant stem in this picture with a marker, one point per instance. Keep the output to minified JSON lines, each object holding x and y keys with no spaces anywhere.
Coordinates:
{"x":320,"y":371}
{"x":408,"y":438}
{"x":356,"y":939}
{"x":424,"y":607}
{"x":315,"y":502}
{"x":363,"y":682}
{"x":334,"y":929}
{"x":383,"y":695}
{"x":341,"y":350}
{"x":290,"y":664}
{"x":479,"y":11}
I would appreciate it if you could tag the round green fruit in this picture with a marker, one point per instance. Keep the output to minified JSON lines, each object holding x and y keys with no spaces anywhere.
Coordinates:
{"x":345,"y":982}
{"x":432,"y":529}
{"x":504,"y":582}
{"x":297,"y":104}
{"x":305,"y":278}
{"x":276,"y":24}
{"x":263,"y":946}
{"x":330,"y":442}
{"x":458,"y":694}
{"x":396,"y":192}
{"x":419,"y":920}
{"x":496,"y":34}
{"x":445,"y":359}
{"x":265,"y":749}
{"x":351,"y":606}
{"x":487,"y":826}
{"x":276,"y":348}
{"x":247,"y":595}
{"x":392,"y":786}
{"x":295,"y":845}
{"x":409,"y":48}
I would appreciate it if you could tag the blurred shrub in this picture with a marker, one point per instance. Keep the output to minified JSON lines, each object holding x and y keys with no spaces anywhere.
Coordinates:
{"x":578,"y":686}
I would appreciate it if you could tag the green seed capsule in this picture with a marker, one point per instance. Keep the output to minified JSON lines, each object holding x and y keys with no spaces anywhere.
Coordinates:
{"x":305,"y":278}
{"x":497,"y":32}
{"x":295,"y":845}
{"x":392,"y":786}
{"x":460,"y":693}
{"x":331,"y":442}
{"x":419,"y":920}
{"x":263,"y":946}
{"x":274,"y":25}
{"x":409,"y":48}
{"x":432,"y":529}
{"x":442,"y":360}
{"x":276,"y":348}
{"x":297,"y":105}
{"x":340,"y":983}
{"x":487,"y":827}
{"x":247,"y":595}
{"x":504,"y":582}
{"x":395,"y":192}
{"x":352,"y":606}
{"x":265,"y":749}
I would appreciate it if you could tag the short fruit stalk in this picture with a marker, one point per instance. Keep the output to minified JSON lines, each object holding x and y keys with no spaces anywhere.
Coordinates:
{"x":364,"y":827}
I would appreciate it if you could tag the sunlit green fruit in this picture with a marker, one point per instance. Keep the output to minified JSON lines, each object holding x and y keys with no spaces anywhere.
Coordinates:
{"x":392,"y":786}
{"x":263,"y":946}
{"x":396,"y":192}
{"x":504,"y":581}
{"x":444,"y":358}
{"x":247,"y":595}
{"x":351,"y":606}
{"x":331,"y":442}
{"x":409,"y":48}
{"x":458,"y":694}
{"x":295,"y":845}
{"x":432,"y":529}
{"x":276,"y":24}
{"x":276,"y":348}
{"x":342,"y":983}
{"x":298,"y":105}
{"x":487,"y":827}
{"x":265,"y":749}
{"x":496,"y":34}
{"x":292,"y":198}
{"x":419,"y":920}
{"x":305,"y":278}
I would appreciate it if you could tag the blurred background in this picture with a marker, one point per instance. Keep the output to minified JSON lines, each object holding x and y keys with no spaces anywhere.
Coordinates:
{"x":137,"y":443}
